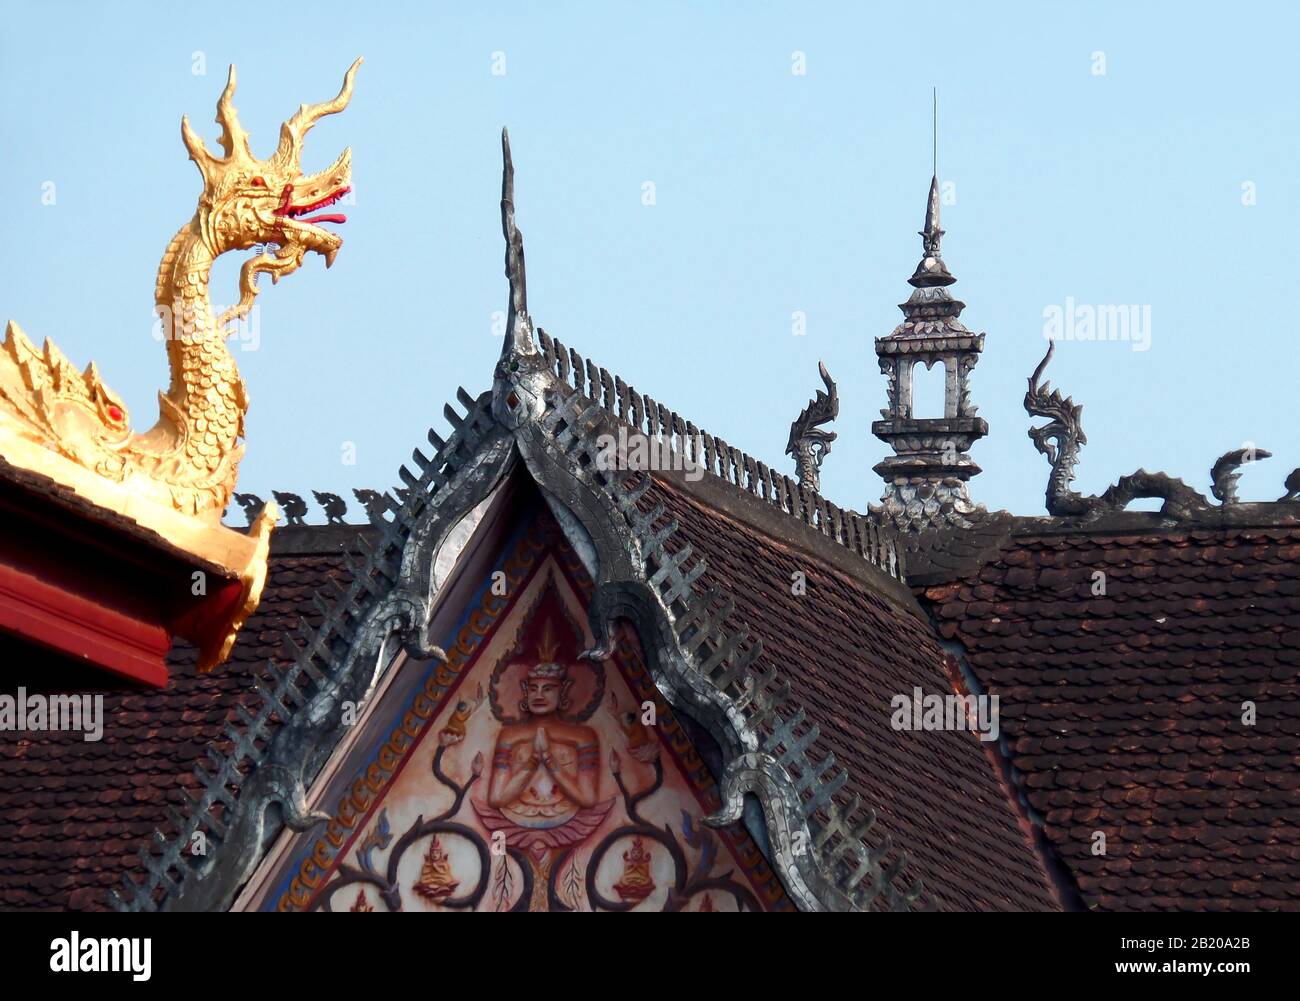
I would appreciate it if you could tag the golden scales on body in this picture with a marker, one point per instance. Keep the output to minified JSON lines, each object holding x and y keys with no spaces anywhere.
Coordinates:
{"x":176,"y":478}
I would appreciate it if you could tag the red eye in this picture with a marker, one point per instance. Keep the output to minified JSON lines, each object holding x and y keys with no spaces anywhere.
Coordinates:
{"x":258,"y":182}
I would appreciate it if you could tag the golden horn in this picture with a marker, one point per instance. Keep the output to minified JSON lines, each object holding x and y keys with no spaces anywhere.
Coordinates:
{"x":292,"y":131}
{"x":232,"y":133}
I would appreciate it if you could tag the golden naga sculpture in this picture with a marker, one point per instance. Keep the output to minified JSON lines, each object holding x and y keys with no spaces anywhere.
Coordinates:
{"x":177,"y":477}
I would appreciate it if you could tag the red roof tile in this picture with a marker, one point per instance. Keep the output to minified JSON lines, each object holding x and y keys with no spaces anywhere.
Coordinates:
{"x":847,"y":651}
{"x":1123,"y":710}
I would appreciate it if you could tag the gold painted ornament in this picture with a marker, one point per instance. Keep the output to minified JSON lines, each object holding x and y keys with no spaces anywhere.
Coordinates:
{"x":177,"y":477}
{"x":637,"y":883}
{"x":436,"y":882}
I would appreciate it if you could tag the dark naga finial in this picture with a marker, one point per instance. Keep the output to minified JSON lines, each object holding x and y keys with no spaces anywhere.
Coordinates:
{"x":335,"y":507}
{"x":1292,"y":486}
{"x":1061,"y":438}
{"x":252,"y":505}
{"x":808,"y":443}
{"x":373,"y":501}
{"x":294,"y":507}
{"x":1226,"y":471}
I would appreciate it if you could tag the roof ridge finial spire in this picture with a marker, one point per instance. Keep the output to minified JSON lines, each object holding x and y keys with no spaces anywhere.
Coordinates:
{"x":518,"y":330}
{"x":932,"y":270}
{"x":926,"y":477}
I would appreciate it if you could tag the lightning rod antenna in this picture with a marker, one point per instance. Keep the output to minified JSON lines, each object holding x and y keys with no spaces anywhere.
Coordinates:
{"x":934,"y":139}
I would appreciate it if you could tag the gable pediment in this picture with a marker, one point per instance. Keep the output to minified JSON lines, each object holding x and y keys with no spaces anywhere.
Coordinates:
{"x":517,"y":775}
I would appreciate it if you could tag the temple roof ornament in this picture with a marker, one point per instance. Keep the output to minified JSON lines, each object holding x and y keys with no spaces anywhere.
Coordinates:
{"x":176,"y":478}
{"x":251,"y":504}
{"x":294,"y":507}
{"x":518,"y":330}
{"x":931,"y":270}
{"x":1292,"y":486}
{"x":532,"y":363}
{"x":1062,"y":438}
{"x":808,"y":443}
{"x":926,"y":477}
{"x":372,"y":500}
{"x":334,"y":506}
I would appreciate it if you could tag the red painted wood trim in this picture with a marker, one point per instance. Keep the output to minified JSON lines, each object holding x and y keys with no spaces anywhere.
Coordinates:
{"x":62,"y":620}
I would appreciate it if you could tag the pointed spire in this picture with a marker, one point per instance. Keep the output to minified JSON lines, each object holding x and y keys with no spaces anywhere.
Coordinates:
{"x":931,"y":270}
{"x":926,"y":477}
{"x":931,"y":235}
{"x":518,"y":337}
{"x":514,"y":239}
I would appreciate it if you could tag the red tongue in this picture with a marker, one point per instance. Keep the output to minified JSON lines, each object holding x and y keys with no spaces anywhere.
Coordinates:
{"x":318,"y":219}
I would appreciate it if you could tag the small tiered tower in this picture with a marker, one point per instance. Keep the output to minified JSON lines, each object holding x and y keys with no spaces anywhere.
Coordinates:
{"x":925,"y":478}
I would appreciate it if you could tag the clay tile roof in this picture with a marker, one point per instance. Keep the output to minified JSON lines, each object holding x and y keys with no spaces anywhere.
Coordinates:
{"x":74,"y":815}
{"x":1124,"y":710}
{"x":848,"y":646}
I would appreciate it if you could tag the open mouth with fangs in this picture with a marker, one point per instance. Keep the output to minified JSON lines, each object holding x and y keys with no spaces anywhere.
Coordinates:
{"x":298,"y":213}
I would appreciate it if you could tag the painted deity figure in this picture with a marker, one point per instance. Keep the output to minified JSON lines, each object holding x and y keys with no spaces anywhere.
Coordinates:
{"x":542,"y":794}
{"x":545,"y":774}
{"x":544,"y":770}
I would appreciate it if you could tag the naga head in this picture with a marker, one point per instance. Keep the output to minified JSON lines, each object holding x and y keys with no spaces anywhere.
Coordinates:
{"x":809,"y":443}
{"x":1061,"y":438}
{"x":248,"y":202}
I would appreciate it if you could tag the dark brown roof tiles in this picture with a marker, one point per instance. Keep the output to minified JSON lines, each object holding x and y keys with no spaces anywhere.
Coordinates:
{"x":847,"y":651}
{"x":1123,"y":712}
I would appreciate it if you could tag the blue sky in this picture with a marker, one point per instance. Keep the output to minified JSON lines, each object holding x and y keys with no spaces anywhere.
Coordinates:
{"x":774,"y":193}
